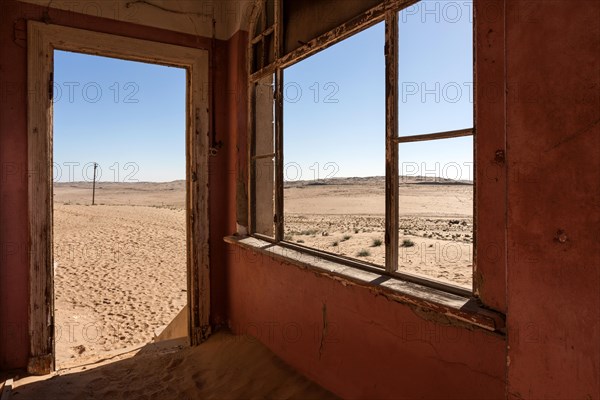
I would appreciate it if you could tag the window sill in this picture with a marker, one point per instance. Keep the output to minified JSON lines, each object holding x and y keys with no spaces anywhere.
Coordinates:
{"x":432,"y":304}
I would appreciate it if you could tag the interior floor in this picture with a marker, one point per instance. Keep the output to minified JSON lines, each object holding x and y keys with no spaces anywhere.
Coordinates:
{"x":225,"y":366}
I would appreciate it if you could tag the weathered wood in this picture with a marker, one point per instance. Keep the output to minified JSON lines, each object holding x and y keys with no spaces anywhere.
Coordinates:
{"x":355,"y":25}
{"x":270,"y":155}
{"x":278,"y":39}
{"x":263,"y":166}
{"x":391,"y":147}
{"x":43,"y":39}
{"x":279,"y":155}
{"x":251,"y":151}
{"x":198,"y":212}
{"x":39,"y":155}
{"x":435,"y":136}
{"x":264,"y":196}
{"x":255,"y":14}
{"x":262,"y":35}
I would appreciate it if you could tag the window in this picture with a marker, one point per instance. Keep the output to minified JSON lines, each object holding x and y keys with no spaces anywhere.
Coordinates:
{"x":334,"y":149}
{"x":362,"y":141}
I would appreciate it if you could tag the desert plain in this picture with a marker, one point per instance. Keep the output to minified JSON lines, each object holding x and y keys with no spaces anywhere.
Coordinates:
{"x":120,"y":277}
{"x":120,"y":265}
{"x":346,"y":217}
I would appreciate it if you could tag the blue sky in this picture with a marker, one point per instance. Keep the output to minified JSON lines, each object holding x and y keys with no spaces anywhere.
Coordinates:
{"x":334,"y":109}
{"x":129,"y":117}
{"x":346,"y":131}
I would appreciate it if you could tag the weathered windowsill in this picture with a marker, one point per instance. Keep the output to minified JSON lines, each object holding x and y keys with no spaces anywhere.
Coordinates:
{"x":430,"y":303}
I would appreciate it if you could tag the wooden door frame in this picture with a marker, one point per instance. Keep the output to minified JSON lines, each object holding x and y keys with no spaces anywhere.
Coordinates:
{"x":43,"y":39}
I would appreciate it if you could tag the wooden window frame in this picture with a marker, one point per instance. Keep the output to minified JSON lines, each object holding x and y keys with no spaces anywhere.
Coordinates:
{"x":490,"y":177}
{"x":43,"y":39}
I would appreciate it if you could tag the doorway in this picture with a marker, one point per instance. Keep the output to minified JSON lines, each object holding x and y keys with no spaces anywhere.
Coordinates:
{"x":43,"y":41}
{"x":119,"y":231}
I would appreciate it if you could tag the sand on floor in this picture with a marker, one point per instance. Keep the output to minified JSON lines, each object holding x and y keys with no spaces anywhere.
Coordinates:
{"x":224,"y":367}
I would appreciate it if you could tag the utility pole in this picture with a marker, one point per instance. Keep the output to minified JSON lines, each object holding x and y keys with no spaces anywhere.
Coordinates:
{"x":94,"y":185}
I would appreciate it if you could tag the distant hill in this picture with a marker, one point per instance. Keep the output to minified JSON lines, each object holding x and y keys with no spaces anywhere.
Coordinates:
{"x":168,"y":194}
{"x":377,"y":180}
{"x":145,"y":186}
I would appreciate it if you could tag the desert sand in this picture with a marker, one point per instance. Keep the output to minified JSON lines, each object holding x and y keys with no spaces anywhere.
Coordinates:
{"x":120,"y":275}
{"x":224,"y":367}
{"x":346,"y":216}
{"x":120,"y":272}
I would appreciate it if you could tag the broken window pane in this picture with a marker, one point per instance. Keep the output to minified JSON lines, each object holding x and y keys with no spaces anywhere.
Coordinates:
{"x":435,"y":67}
{"x":334,"y":149}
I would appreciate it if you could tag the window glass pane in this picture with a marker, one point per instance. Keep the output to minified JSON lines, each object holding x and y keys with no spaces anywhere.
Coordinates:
{"x":264,"y":116}
{"x":264,"y":196}
{"x":263,"y":161}
{"x":435,"y":70}
{"x":436,"y":210}
{"x":334,"y":148}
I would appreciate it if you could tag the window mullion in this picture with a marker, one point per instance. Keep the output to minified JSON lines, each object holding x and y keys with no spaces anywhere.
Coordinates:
{"x":277,"y":47}
{"x":279,"y":155}
{"x":391,"y":147}
{"x":436,"y":136}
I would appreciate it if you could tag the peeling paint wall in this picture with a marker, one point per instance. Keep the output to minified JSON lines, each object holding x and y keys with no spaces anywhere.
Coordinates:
{"x":347,"y":338}
{"x":356,"y":343}
{"x":544,"y":59}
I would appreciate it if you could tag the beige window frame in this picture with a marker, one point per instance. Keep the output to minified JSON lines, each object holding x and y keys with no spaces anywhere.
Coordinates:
{"x":266,"y":59}
{"x":43,"y":39}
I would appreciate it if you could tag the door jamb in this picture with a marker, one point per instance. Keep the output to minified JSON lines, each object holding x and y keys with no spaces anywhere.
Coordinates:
{"x":43,"y":39}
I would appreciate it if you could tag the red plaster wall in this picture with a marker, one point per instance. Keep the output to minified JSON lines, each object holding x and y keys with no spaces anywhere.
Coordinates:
{"x":231,"y":111}
{"x":553,"y":135}
{"x":490,"y":139}
{"x":544,"y":56}
{"x":14,"y":340}
{"x":372,"y":348}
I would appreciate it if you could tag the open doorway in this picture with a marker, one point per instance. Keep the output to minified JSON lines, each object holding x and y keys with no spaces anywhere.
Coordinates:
{"x":43,"y":41}
{"x":119,"y":217}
